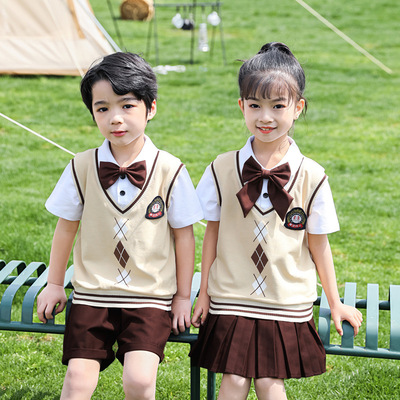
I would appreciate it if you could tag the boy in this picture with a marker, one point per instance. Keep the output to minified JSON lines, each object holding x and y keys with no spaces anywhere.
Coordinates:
{"x":134,"y":253}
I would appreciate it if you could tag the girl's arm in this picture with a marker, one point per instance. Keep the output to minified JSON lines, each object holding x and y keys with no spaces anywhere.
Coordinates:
{"x":322,"y":256}
{"x":54,"y":294}
{"x":209,"y":254}
{"x":184,"y":254}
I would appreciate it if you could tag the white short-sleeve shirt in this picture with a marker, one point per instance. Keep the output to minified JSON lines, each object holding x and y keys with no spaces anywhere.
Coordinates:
{"x":323,"y":218}
{"x":184,"y":208}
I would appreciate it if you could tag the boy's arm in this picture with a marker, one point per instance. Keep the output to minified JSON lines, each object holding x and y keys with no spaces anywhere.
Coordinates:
{"x":209,"y":254}
{"x":184,"y":254}
{"x":54,"y":294}
{"x":322,"y":256}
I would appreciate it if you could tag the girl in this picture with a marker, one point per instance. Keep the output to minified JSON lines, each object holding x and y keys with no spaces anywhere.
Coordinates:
{"x":269,"y":210}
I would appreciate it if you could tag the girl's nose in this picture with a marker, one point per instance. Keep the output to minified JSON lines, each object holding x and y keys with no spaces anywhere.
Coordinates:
{"x":265,"y":116}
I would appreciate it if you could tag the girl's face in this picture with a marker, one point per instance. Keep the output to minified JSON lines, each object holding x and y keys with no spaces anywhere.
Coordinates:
{"x":271,"y":118}
{"x":121,"y":119}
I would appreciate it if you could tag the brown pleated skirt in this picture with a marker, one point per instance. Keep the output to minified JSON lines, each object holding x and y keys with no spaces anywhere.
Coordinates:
{"x":256,"y":348}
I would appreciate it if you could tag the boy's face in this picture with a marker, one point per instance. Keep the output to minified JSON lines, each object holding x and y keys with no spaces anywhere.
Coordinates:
{"x":121,"y":119}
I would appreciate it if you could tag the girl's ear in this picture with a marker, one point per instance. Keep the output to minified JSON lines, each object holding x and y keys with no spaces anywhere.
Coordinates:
{"x":153,"y":110}
{"x":299,"y":108}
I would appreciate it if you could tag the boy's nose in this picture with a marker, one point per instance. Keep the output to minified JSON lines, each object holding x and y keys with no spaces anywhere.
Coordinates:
{"x":116,"y":118}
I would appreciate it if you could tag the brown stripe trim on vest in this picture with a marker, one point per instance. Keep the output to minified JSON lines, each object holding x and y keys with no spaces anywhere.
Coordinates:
{"x":222,"y":306}
{"x":259,"y":311}
{"x":296,"y":176}
{"x":172,"y":184}
{"x":76,"y":181}
{"x":238,"y":169}
{"x":256,"y":314}
{"x":314,"y":194}
{"x":216,"y":184}
{"x":120,"y":296}
{"x":138,"y":196}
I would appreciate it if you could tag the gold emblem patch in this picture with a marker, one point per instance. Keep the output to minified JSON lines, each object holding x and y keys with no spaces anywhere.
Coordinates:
{"x":155,"y":209}
{"x":296,"y":219}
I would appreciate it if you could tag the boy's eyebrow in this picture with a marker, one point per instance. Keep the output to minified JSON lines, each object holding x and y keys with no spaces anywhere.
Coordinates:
{"x":122,"y":100}
{"x":99,"y":102}
{"x":128,"y":98}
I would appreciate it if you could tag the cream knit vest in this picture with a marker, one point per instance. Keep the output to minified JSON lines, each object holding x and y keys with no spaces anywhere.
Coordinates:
{"x":263,"y":269}
{"x":124,"y":258}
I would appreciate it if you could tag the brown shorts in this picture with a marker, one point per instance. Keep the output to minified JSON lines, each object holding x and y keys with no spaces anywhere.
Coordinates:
{"x":91,"y":332}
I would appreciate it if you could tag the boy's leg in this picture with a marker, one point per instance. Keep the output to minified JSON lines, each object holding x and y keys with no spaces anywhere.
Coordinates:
{"x":81,"y":379}
{"x":270,"y":388}
{"x":234,"y":387}
{"x":140,"y":375}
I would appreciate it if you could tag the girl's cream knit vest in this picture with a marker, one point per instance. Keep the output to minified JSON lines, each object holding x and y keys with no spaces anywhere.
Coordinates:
{"x":263,"y":267}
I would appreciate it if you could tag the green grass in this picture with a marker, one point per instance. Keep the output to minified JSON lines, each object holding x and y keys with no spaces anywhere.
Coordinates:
{"x":351,"y":128}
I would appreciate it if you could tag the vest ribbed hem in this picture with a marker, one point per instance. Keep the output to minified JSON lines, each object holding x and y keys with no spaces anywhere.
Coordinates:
{"x":297,"y":313}
{"x":118,"y":301}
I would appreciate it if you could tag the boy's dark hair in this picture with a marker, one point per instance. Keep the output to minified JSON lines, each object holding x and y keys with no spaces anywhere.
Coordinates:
{"x":127,"y":73}
{"x":274,"y":67}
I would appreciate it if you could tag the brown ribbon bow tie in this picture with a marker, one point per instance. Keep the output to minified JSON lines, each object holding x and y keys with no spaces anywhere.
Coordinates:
{"x":277,"y":177}
{"x":110,"y":172}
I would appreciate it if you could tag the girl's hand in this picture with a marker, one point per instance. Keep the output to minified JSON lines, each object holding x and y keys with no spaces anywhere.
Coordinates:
{"x":180,"y":311}
{"x":201,"y":310}
{"x":343,"y":312}
{"x":52,"y":295}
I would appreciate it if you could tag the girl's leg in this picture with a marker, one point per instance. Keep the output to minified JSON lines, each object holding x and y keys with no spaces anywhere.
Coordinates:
{"x":270,"y":388}
{"x":140,"y":375}
{"x":81,"y":379}
{"x":234,"y":387}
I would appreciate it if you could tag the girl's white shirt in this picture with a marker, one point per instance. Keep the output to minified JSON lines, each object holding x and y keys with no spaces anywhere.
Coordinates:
{"x":184,"y":208}
{"x":323,"y":218}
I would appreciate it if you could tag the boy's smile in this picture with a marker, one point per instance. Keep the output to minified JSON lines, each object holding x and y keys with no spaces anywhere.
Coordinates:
{"x":122,"y":119}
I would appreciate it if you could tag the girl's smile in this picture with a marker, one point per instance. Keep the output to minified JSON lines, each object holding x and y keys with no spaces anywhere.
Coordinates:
{"x":266,"y":129}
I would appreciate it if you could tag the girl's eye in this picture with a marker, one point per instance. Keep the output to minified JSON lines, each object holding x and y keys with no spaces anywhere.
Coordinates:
{"x":253,"y":105}
{"x":102,"y":109}
{"x":279,"y":106}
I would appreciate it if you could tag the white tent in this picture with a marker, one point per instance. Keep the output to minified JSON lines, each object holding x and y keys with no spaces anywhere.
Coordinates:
{"x":50,"y":37}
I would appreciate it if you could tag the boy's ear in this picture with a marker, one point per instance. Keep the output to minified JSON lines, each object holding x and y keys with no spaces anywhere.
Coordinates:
{"x":152,"y":112}
{"x":241,"y":104}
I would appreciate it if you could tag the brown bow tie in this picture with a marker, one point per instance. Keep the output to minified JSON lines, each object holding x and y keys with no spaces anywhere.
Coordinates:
{"x":277,"y":177}
{"x":110,"y":172}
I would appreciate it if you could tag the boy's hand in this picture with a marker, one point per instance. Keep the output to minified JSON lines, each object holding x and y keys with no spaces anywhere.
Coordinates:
{"x":343,"y":312}
{"x":180,"y":311}
{"x":201,"y":310}
{"x":51,"y":296}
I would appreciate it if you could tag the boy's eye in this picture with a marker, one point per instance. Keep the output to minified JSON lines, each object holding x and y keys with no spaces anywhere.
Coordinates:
{"x":128,"y":106}
{"x":102,"y":109}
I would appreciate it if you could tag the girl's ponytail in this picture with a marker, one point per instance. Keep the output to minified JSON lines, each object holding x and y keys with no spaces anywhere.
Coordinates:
{"x":275,"y":46}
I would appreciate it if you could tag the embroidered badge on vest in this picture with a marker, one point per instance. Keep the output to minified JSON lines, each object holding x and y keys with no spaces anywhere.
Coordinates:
{"x":296,"y":219}
{"x":155,"y":209}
